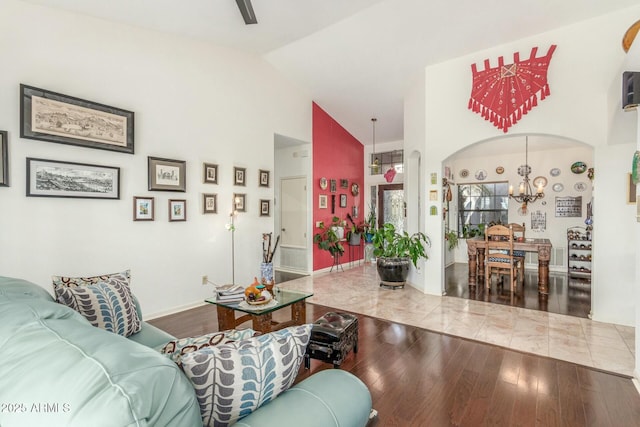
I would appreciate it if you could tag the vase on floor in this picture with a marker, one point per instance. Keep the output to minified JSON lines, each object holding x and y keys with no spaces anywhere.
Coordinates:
{"x":266,"y":273}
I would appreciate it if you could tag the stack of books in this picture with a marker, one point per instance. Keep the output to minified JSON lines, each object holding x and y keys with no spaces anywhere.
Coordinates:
{"x":230,"y":293}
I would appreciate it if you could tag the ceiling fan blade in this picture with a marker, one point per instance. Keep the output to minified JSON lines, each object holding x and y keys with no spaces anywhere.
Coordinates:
{"x":247,"y":11}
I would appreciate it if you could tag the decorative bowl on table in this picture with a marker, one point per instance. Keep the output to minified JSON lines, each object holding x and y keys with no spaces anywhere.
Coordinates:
{"x":258,"y":302}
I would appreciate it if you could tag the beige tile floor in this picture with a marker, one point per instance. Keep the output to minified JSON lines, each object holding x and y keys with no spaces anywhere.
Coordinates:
{"x":582,"y":341}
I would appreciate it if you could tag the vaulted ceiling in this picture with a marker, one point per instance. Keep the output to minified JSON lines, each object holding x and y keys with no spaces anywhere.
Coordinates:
{"x":357,"y":57}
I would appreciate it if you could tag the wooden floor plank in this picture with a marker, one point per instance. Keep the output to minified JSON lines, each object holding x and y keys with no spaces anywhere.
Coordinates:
{"x":421,"y":378}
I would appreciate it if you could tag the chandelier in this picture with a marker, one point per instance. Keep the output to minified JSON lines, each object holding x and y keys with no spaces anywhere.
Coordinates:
{"x":525,"y":191}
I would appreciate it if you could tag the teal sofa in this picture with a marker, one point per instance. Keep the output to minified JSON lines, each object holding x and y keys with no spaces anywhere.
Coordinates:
{"x":56,"y":369}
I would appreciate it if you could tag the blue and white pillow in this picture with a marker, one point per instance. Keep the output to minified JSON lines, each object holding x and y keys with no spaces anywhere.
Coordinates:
{"x":176,"y":349}
{"x":232,"y":380}
{"x":108,"y":306}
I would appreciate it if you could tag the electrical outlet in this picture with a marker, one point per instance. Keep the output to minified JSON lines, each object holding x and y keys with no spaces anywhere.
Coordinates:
{"x":205,"y":280}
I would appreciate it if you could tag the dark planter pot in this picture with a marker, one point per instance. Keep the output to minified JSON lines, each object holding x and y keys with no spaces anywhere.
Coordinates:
{"x":393,"y":272}
{"x":368,"y":237}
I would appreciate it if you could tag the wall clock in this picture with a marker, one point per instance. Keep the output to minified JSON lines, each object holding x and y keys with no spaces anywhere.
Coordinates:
{"x":355,"y":189}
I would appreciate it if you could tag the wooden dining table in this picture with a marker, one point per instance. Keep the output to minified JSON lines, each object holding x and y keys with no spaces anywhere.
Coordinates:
{"x":476,"y":249}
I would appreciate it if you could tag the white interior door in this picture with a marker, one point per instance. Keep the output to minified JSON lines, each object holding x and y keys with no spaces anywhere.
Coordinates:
{"x":293,"y":212}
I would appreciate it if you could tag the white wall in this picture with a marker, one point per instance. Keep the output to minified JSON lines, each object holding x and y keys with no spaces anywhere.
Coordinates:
{"x":193,"y":101}
{"x":583,"y":71}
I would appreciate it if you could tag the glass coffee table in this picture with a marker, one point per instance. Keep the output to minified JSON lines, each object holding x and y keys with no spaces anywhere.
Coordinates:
{"x":261,"y":316}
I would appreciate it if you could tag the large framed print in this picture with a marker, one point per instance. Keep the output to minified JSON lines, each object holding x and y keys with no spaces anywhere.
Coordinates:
{"x":52,"y":178}
{"x":167,"y":174}
{"x":4,"y":159}
{"x":54,"y":117}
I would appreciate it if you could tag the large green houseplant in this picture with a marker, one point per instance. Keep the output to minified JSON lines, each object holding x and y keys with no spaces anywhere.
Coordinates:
{"x":395,"y":251}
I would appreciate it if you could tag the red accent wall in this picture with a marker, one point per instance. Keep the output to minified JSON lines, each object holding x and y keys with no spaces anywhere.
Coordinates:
{"x":336,"y":155}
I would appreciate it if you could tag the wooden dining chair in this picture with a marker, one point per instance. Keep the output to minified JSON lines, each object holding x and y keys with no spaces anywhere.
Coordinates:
{"x":519,"y":231}
{"x":499,"y":255}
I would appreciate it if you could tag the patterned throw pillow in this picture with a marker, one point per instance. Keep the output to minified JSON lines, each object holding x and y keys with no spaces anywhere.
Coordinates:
{"x":72,"y":282}
{"x":175,"y":349}
{"x":106,"y":306}
{"x":233,"y":380}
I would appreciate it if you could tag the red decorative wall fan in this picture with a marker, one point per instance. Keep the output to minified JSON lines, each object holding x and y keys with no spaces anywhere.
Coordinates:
{"x":503,"y":94}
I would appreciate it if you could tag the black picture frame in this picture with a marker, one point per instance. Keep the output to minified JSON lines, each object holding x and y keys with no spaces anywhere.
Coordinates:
{"x":265,"y":207}
{"x":4,"y":159}
{"x":209,"y":203}
{"x":343,"y":200}
{"x":239,"y":176}
{"x":64,"y":119}
{"x":332,"y":186}
{"x":240,"y":202}
{"x":54,"y":178}
{"x":264,"y":178}
{"x":344,"y":183}
{"x":210,"y":173}
{"x":166,"y":174}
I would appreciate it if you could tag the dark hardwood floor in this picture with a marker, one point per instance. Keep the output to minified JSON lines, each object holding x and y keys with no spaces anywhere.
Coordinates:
{"x":422,"y":378}
{"x":566,"y":296}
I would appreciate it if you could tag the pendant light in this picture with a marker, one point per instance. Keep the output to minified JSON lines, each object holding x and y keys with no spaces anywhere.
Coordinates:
{"x":376,"y":161}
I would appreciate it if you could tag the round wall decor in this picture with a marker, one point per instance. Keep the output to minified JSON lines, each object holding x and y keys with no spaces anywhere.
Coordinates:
{"x":557,"y":187}
{"x":355,"y":189}
{"x":464,"y":173}
{"x":323,"y":183}
{"x":579,"y":167}
{"x":499,"y":170}
{"x":554,"y":172}
{"x":481,"y":174}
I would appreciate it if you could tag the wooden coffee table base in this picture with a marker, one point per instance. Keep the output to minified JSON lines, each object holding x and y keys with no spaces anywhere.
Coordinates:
{"x":261,"y":322}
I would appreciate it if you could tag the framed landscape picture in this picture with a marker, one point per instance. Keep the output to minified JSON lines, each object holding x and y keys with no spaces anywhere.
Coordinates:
{"x":166,"y":174}
{"x":210,"y":173}
{"x":143,"y":208}
{"x":52,"y":178}
{"x":4,"y":159}
{"x":177,"y":210}
{"x":54,"y":117}
{"x":210,"y":203}
{"x":264,"y":207}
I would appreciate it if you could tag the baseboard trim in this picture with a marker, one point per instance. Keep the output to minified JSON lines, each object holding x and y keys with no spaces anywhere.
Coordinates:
{"x":173,"y":310}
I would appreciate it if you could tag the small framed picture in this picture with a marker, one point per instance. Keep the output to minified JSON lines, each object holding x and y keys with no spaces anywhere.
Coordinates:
{"x":240,"y":202}
{"x":344,"y":183}
{"x":343,"y":200}
{"x":143,"y":208}
{"x":210,"y":173}
{"x":4,"y":159}
{"x":265,"y":207}
{"x":322,"y":201}
{"x":264,"y":178}
{"x":209,"y":203}
{"x":167,"y":174}
{"x":332,"y":186}
{"x":239,"y":176}
{"x":177,"y":210}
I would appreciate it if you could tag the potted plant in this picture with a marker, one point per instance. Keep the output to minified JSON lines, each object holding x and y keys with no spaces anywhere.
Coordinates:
{"x":451,"y":237}
{"x":355,"y":232}
{"x":395,"y":251}
{"x":370,"y":225}
{"x":328,"y":239}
